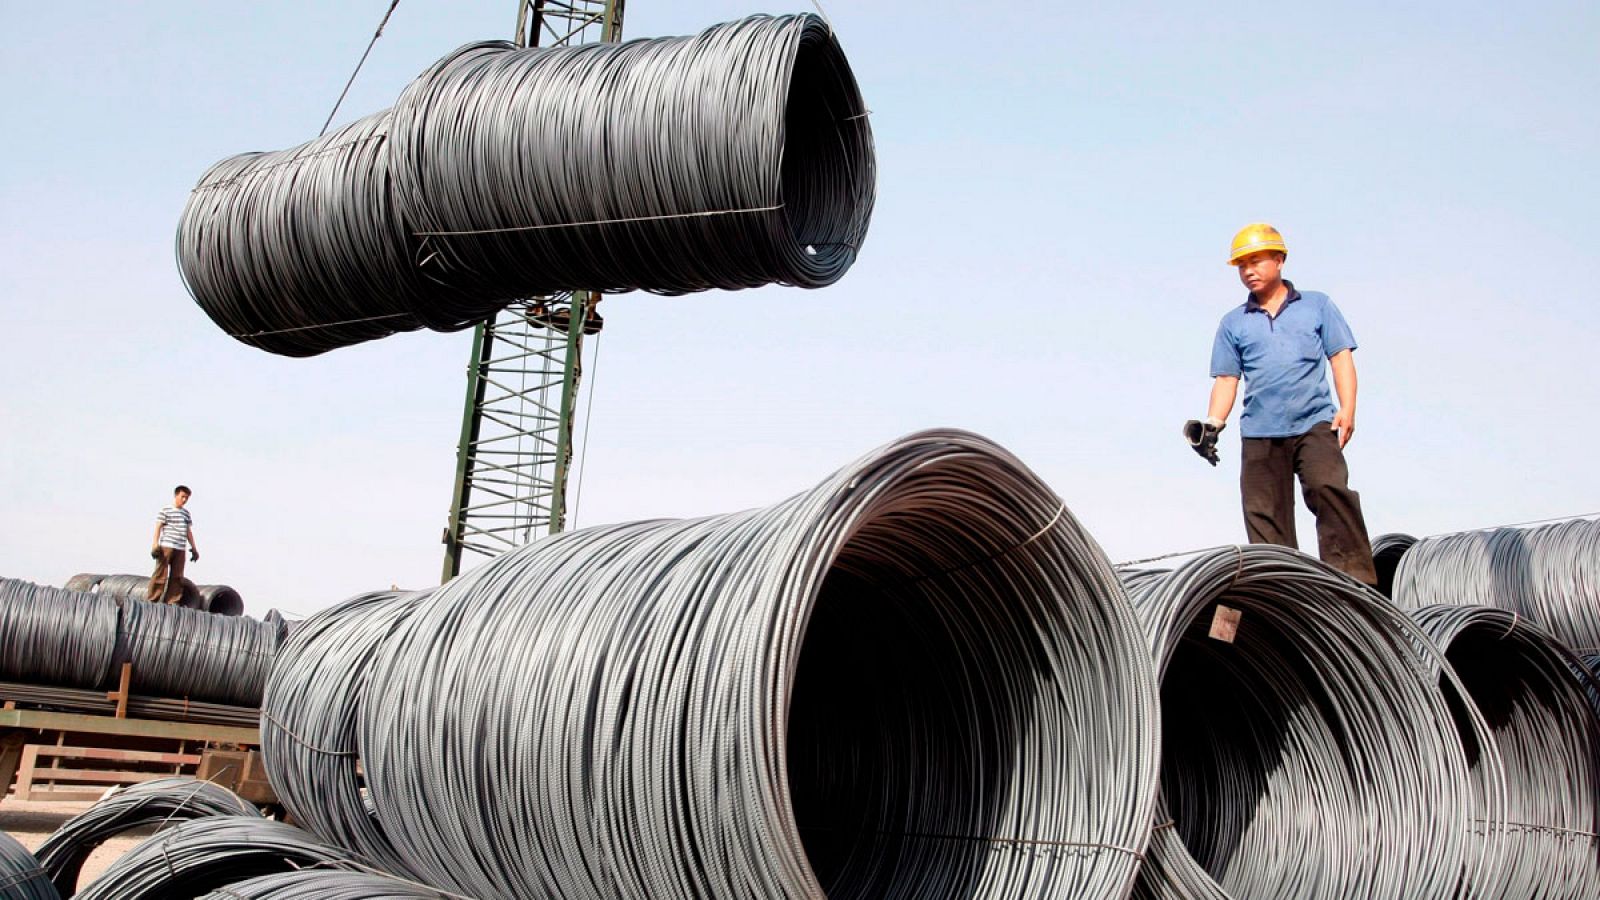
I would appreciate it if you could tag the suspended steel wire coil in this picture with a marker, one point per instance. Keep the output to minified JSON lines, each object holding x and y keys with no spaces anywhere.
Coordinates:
{"x":324,"y":884}
{"x":54,"y":636}
{"x":159,"y":802}
{"x":735,"y":158}
{"x":1550,"y":574}
{"x":1314,"y":755}
{"x":309,"y":716}
{"x":920,"y":678}
{"x":21,"y":876}
{"x":1387,"y":549}
{"x":203,"y":855}
{"x":180,"y":652}
{"x":220,"y":600}
{"x":1527,"y":686}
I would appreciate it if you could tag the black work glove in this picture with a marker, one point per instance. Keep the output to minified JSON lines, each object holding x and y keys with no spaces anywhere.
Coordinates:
{"x":155,"y":552}
{"x":1202,"y":436}
{"x":194,"y":555}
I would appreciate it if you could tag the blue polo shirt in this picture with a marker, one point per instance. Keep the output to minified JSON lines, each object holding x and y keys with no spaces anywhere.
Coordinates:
{"x":1281,"y":361}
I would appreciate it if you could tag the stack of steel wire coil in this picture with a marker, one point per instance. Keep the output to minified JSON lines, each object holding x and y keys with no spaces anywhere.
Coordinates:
{"x":181,"y":652}
{"x":735,"y":158}
{"x":54,"y":636}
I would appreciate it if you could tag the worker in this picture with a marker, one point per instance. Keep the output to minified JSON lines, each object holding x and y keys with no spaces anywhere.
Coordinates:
{"x":1277,"y":341}
{"x":174,"y":534}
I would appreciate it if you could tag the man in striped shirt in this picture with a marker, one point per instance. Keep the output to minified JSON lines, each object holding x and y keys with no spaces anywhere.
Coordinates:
{"x":174,"y":534}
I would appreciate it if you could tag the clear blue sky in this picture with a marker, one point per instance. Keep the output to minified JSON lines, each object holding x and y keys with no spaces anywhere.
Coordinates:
{"x":1046,"y":266}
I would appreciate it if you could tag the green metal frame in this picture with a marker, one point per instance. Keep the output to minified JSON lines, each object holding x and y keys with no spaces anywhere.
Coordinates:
{"x":515,"y":449}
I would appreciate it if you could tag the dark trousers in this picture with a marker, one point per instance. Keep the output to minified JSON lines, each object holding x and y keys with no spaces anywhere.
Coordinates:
{"x":166,"y":584}
{"x":1267,"y":482}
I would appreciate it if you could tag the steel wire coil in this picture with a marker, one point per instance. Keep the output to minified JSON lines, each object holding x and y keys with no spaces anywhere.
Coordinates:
{"x":202,"y":855}
{"x":736,"y":158}
{"x":1314,"y":755}
{"x":920,"y":678}
{"x":84,"y":583}
{"x":1529,"y":688}
{"x":1550,"y":574}
{"x":180,"y":652}
{"x":324,"y":884}
{"x":134,"y":587}
{"x":21,"y":876}
{"x":54,"y":636}
{"x":159,"y":802}
{"x":1387,"y":550}
{"x":220,"y":600}
{"x":309,"y":715}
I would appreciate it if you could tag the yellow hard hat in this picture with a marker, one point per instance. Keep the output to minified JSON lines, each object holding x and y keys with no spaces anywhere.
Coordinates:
{"x":1254,"y":238}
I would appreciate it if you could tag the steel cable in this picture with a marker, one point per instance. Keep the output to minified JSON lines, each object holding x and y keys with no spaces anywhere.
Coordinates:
{"x":1387,"y":551}
{"x":179,"y":652}
{"x":159,"y":802}
{"x":308,"y":721}
{"x":920,"y":678}
{"x":21,"y":876}
{"x":1527,"y":686}
{"x":1550,"y":574}
{"x":202,"y":855}
{"x":735,"y":158}
{"x":54,"y":636}
{"x":1314,"y":755}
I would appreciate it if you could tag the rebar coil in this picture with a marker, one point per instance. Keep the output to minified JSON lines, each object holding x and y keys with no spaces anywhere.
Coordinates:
{"x":1314,"y":756}
{"x":1527,"y":686}
{"x":179,"y":652}
{"x":133,"y":587}
{"x":735,"y":158}
{"x":220,"y":600}
{"x":21,"y":876}
{"x":1550,"y":574}
{"x":920,"y":678}
{"x":324,"y":884}
{"x":54,"y":636}
{"x":203,"y":855}
{"x":158,"y":802}
{"x":1387,"y":549}
{"x":309,"y":716}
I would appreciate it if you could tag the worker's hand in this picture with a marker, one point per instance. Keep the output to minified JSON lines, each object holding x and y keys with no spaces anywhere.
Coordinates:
{"x":1202,"y":436}
{"x":1344,"y":426}
{"x":194,"y":555}
{"x":155,"y":552}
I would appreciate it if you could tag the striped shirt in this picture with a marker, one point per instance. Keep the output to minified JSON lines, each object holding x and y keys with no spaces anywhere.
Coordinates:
{"x":174,"y":524}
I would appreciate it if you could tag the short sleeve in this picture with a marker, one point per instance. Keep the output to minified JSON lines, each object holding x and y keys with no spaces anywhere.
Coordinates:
{"x":1336,"y":334}
{"x":1225,"y":354}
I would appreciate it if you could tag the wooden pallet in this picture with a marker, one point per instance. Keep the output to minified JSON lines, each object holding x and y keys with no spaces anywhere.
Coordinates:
{"x":80,"y":767}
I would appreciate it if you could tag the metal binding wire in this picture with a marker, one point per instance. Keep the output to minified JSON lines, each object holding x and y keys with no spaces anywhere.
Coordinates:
{"x":735,"y":158}
{"x":1550,"y":574}
{"x":920,"y":678}
{"x":54,"y":636}
{"x":159,"y":802}
{"x":1313,"y":755}
{"x":1530,"y":690}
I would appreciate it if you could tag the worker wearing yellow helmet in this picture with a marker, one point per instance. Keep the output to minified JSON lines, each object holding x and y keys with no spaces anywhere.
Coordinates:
{"x":1281,"y":341}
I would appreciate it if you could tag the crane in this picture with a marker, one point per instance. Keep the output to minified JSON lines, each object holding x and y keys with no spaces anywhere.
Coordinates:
{"x":515,"y":453}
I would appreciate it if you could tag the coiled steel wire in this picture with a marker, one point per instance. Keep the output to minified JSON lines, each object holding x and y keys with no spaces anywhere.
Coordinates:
{"x":735,"y":158}
{"x":159,"y":802}
{"x":133,"y":587}
{"x":920,"y":678}
{"x":84,"y":583}
{"x":179,"y":652}
{"x":54,"y":636}
{"x":21,"y":876}
{"x":1550,"y":574}
{"x":324,"y":884}
{"x":1527,"y":686}
{"x":1387,"y":549}
{"x":309,"y":715}
{"x":203,"y":855}
{"x":1313,"y":755}
{"x":220,"y":600}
